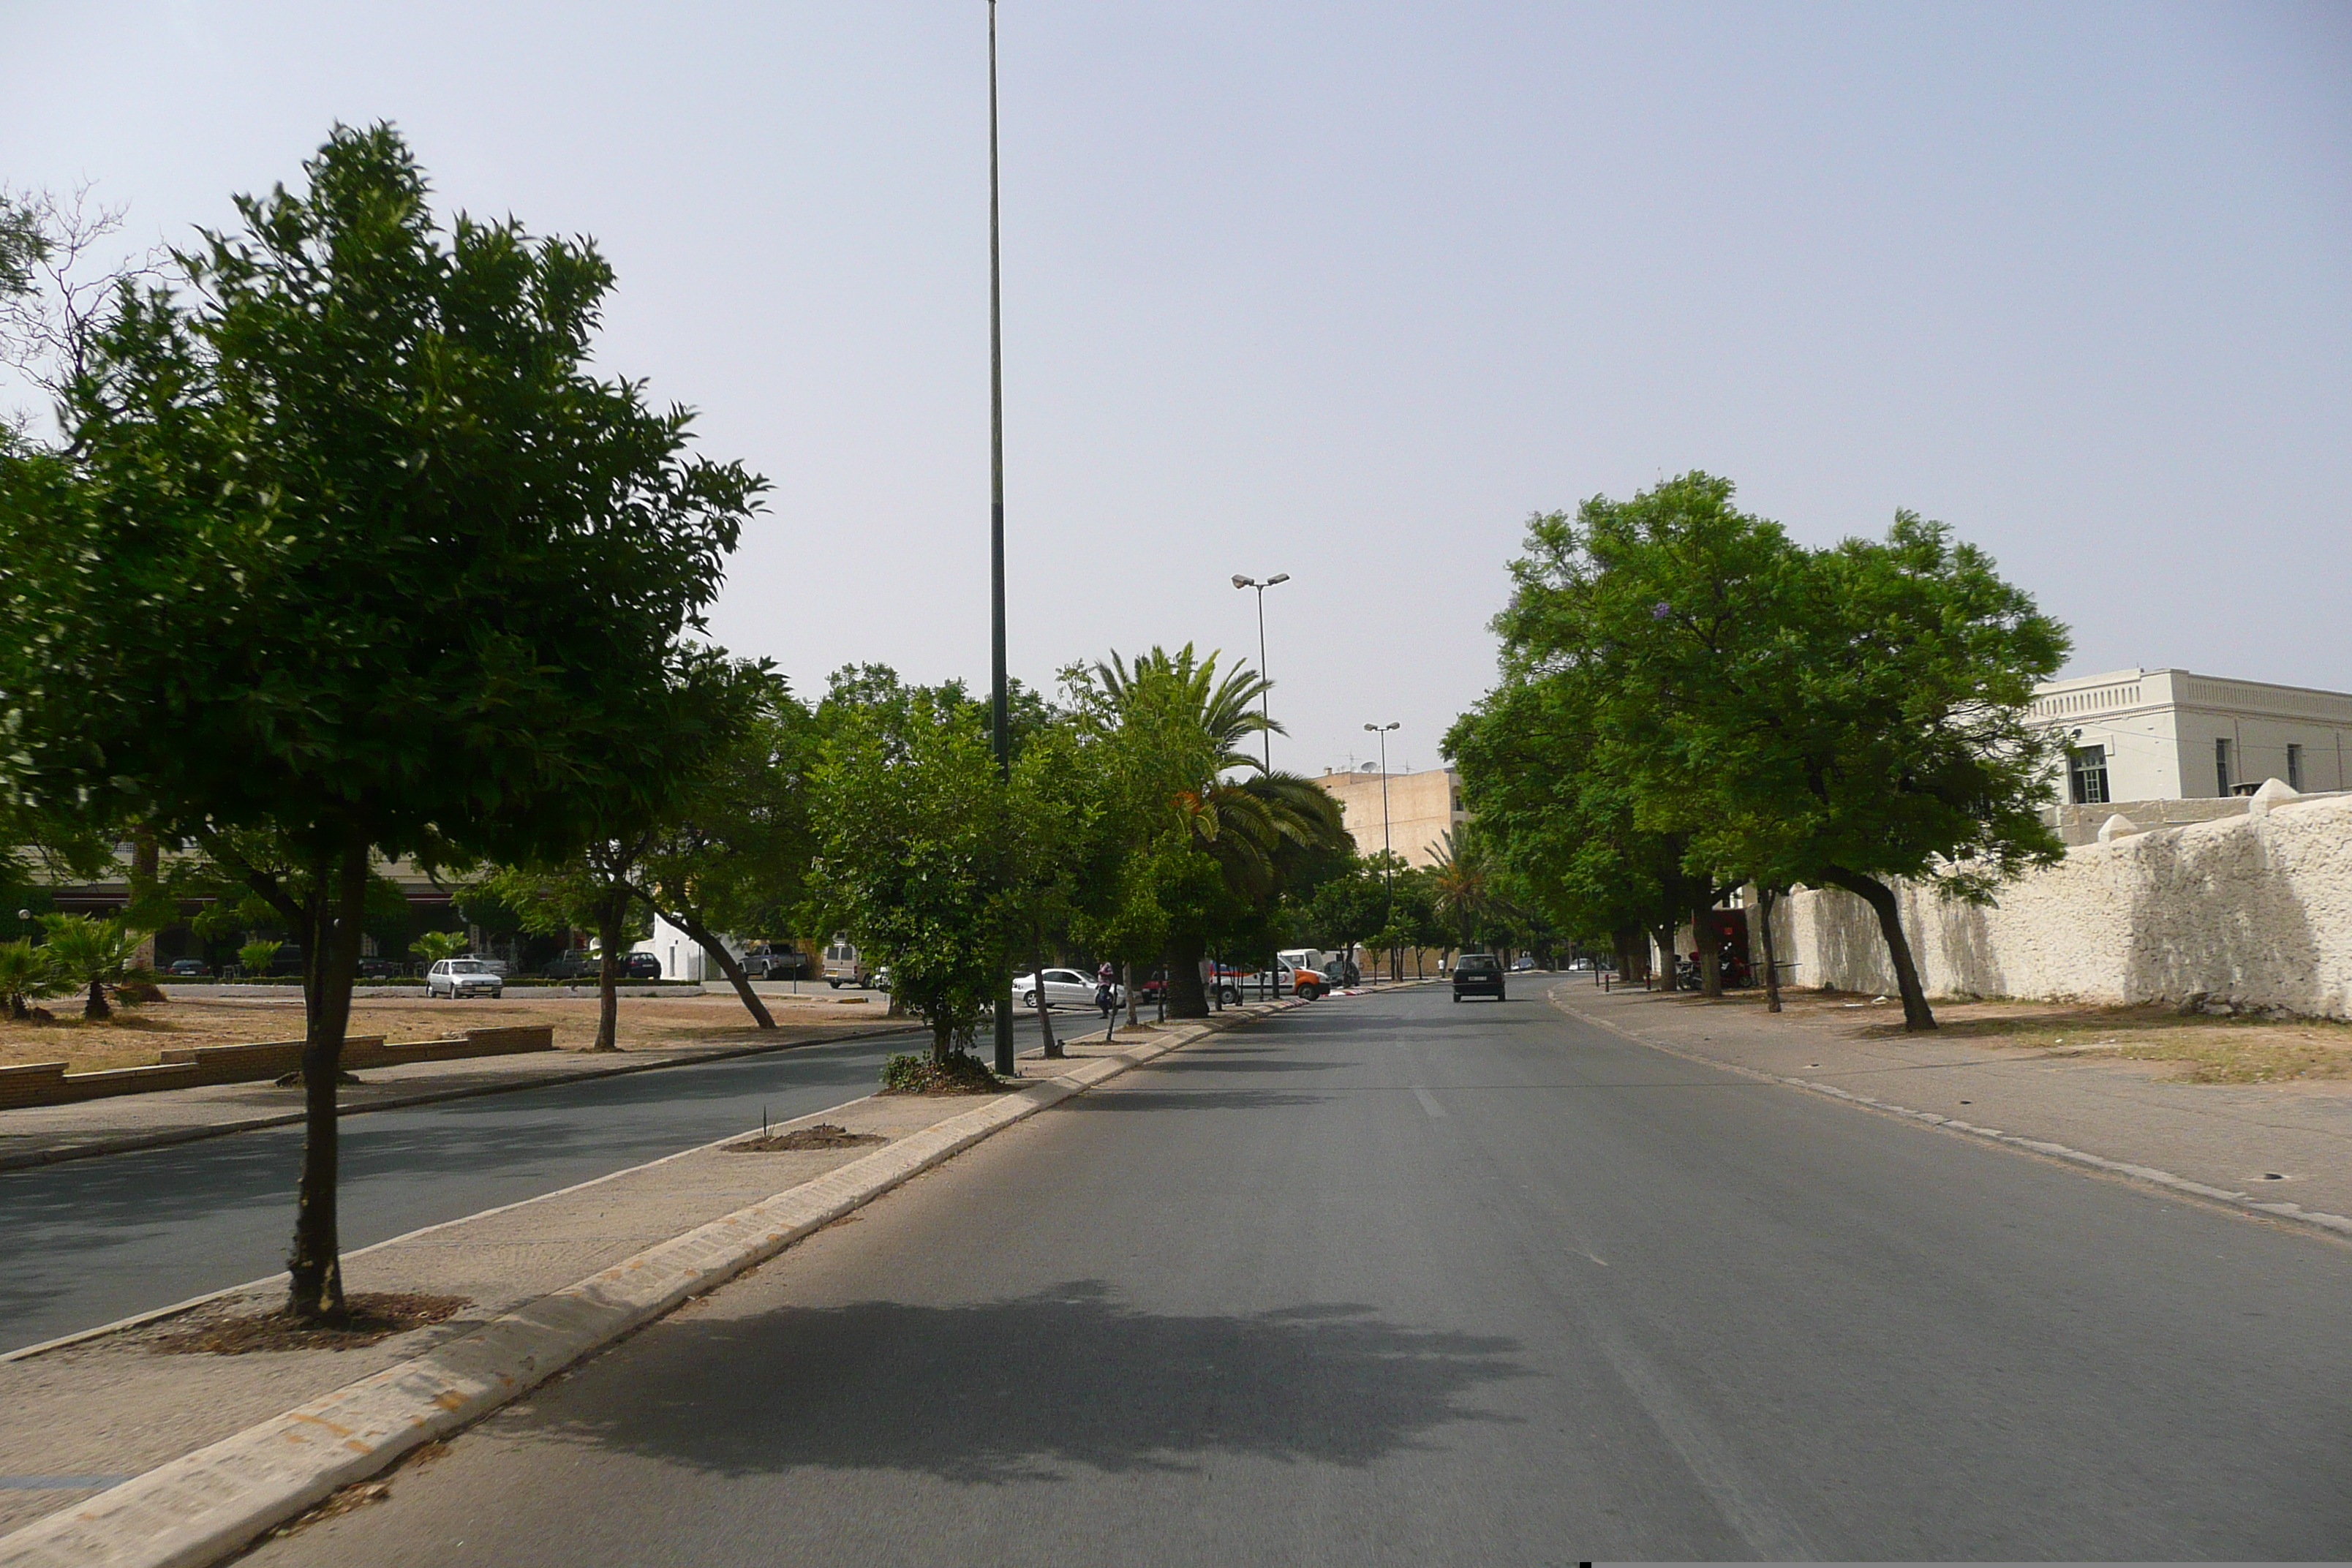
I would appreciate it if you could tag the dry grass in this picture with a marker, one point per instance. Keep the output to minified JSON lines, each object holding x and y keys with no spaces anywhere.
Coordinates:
{"x":2204,"y":1049}
{"x":134,"y":1037}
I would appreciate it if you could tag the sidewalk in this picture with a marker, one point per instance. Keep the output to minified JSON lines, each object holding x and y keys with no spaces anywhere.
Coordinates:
{"x":39,"y":1135}
{"x":2285,"y":1147}
{"x":84,"y":1417}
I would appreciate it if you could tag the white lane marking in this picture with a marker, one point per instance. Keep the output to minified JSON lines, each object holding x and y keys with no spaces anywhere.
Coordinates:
{"x":1428,"y":1103}
{"x":1769,"y":1533}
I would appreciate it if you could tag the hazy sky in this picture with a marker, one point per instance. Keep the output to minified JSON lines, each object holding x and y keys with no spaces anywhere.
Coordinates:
{"x":1348,"y":291}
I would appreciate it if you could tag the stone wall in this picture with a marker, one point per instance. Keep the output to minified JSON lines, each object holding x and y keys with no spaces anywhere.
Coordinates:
{"x":2254,"y":909}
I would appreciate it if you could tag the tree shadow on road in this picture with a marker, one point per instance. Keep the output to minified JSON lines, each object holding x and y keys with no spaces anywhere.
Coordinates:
{"x":1025,"y":1389}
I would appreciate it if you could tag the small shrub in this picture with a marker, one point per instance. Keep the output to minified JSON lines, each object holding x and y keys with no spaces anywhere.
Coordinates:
{"x":960,"y":1074}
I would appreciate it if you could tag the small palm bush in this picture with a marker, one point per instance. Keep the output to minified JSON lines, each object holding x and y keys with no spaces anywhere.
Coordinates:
{"x":100,"y":954}
{"x":25,"y":975}
{"x":256,"y":957}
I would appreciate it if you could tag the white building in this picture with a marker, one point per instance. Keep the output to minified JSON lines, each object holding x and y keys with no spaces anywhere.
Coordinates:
{"x":2169,"y":734}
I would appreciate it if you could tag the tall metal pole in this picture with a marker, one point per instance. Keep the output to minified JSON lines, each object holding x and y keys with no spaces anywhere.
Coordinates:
{"x":1265,"y":687}
{"x":1388,"y":855}
{"x":1000,"y":714}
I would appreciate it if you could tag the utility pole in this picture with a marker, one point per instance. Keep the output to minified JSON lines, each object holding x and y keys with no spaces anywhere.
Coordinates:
{"x":999,"y":707}
{"x":1388,"y":855}
{"x":1266,"y":708}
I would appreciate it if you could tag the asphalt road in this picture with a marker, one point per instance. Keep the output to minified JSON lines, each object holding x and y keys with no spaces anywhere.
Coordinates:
{"x":1395,"y":1280}
{"x":89,"y":1241}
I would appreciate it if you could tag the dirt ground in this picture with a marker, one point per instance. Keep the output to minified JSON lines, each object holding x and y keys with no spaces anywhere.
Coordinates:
{"x":137,"y":1035}
{"x":2203,"y":1049}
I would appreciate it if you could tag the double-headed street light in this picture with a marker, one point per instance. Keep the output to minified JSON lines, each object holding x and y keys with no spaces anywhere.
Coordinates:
{"x":1388,"y":858}
{"x":1265,"y":710}
{"x":1382,"y":731}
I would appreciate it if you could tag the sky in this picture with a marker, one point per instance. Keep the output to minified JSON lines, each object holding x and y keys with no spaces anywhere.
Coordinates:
{"x":1349,"y":292}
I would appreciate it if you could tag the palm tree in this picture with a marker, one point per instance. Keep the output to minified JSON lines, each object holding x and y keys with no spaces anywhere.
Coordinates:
{"x":25,"y":975}
{"x":1464,"y":880}
{"x":85,"y":951}
{"x":1200,"y":724}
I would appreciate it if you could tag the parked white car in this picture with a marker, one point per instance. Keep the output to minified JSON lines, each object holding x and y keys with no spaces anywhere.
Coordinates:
{"x":1064,"y":988}
{"x":455,"y":977}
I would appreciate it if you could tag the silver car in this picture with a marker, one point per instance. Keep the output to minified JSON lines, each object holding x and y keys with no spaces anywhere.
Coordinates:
{"x":455,"y":977}
{"x":1063,"y":988}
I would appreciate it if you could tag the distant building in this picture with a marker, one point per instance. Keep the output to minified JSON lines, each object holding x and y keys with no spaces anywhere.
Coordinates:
{"x":2168,"y":734}
{"x":1422,"y":808}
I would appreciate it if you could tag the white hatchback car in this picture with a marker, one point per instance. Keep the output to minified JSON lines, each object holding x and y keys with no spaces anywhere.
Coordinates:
{"x":455,"y":977}
{"x":1063,"y":987}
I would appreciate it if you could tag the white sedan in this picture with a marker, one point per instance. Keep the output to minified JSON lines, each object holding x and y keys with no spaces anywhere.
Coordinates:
{"x":1064,"y":988}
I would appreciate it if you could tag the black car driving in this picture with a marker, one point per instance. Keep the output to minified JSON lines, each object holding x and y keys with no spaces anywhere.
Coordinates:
{"x":1477,"y":974}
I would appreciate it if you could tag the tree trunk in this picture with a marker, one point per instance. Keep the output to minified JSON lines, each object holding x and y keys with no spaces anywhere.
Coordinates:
{"x":1127,"y":978}
{"x":314,"y":1262}
{"x":95,"y":1008}
{"x":612,"y":920}
{"x":1766,"y":898}
{"x":1881,"y":898}
{"x":1053,"y":1052}
{"x":1664,"y":937}
{"x":1710,"y":949}
{"x":942,"y":1038}
{"x":716,"y":950}
{"x":1186,"y":997}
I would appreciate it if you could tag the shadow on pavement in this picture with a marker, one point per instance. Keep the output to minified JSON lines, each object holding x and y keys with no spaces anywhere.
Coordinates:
{"x":1025,"y":1389}
{"x":1195,"y":1100}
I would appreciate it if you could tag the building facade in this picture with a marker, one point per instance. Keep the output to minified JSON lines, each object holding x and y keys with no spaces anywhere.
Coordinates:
{"x":2170,"y":734}
{"x":1422,"y":808}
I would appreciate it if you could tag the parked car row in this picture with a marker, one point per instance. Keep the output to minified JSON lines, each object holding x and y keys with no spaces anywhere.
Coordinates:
{"x":579,"y":963}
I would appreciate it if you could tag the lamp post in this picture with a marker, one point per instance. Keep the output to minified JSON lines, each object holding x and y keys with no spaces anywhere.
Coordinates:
{"x":1388,"y":858}
{"x":1265,"y":710}
{"x":999,"y":716}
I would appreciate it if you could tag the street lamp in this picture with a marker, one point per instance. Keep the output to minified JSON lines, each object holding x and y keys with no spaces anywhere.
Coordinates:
{"x":1265,"y":708}
{"x":1388,"y":858}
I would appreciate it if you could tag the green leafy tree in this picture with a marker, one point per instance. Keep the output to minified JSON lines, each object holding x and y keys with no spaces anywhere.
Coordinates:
{"x":1562,"y":820}
{"x":593,"y":888}
{"x":1842,"y":717}
{"x":909,"y":821}
{"x":1344,"y":912}
{"x":347,"y":544}
{"x":733,"y":853}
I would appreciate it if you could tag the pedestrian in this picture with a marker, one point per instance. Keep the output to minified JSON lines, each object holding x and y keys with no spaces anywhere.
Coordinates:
{"x":1208,"y":980}
{"x":1106,"y":996}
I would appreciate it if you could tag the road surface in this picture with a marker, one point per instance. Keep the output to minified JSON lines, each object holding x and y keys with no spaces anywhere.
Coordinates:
{"x":1392,"y":1279}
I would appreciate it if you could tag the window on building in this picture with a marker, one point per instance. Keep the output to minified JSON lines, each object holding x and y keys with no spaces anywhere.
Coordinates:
{"x":2222,"y":766}
{"x":2087,"y":774}
{"x":2294,"y":766}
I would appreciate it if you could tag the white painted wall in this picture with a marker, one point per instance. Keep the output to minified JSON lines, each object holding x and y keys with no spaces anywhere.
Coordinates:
{"x":2255,"y":909}
{"x":2158,"y":726}
{"x":681,"y":956}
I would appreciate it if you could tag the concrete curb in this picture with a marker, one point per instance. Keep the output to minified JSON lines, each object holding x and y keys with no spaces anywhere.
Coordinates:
{"x":2337,"y":1225}
{"x":294,"y":1118}
{"x":206,"y":1505}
